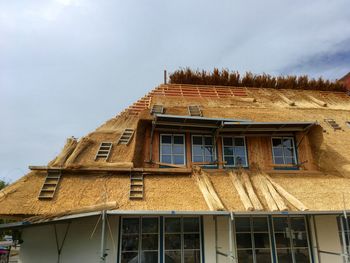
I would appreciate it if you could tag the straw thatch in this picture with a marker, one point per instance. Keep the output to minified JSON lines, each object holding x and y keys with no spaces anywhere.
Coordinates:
{"x":68,"y":149}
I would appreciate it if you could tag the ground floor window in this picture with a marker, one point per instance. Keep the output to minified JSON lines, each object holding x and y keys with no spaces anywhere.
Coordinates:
{"x":344,"y":234}
{"x":260,"y":239}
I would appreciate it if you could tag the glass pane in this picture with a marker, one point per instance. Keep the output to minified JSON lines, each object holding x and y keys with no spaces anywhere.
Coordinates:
{"x":129,"y":257}
{"x":179,"y":159}
{"x":242,"y":224}
{"x":166,"y":139}
{"x":276,"y":142}
{"x":149,"y":257}
{"x":245,"y":256}
{"x":166,"y":149}
{"x":172,"y":256}
{"x":229,"y":161}
{"x":279,"y":160}
{"x":289,"y":152}
{"x":262,"y":240}
{"x":289,"y":160}
{"x":191,"y":224}
{"x":301,"y":255}
{"x":209,"y":158}
{"x":178,"y":139}
{"x":260,"y":224}
{"x":149,"y":225}
{"x":287,"y":142}
{"x":300,"y":239}
{"x":130,"y":225}
{"x":227,"y":141}
{"x":228,"y":150}
{"x":298,"y":223}
{"x":178,"y":149}
{"x":191,"y":241}
{"x":244,"y":240}
{"x":240,"y":161}
{"x":284,"y":256}
{"x":192,"y":256}
{"x":240,"y":151}
{"x":166,"y":158}
{"x":197,"y":150}
{"x":277,"y":152}
{"x":280,"y":224}
{"x":198,"y":159}
{"x":208,"y":140}
{"x":150,"y":242}
{"x":130,"y":243}
{"x":239,"y":141}
{"x":282,"y":240}
{"x":172,"y":241}
{"x":208,"y":150}
{"x":197,"y":140}
{"x":172,"y":225}
{"x":263,"y":255}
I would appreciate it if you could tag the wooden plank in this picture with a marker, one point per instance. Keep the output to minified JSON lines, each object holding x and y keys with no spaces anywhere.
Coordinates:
{"x":241,"y":191}
{"x":168,"y":164}
{"x":251,"y":193}
{"x":188,"y":150}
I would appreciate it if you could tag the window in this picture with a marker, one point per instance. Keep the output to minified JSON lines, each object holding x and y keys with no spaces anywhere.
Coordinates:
{"x":139,"y":240}
{"x":203,"y":149}
{"x":283,"y":150}
{"x":182,"y":240}
{"x":348,"y":123}
{"x":291,"y":239}
{"x":235,"y":153}
{"x":172,"y":149}
{"x":253,"y":239}
{"x":344,"y":233}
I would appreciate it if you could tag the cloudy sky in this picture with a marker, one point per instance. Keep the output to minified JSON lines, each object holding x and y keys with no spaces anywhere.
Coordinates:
{"x":68,"y":65}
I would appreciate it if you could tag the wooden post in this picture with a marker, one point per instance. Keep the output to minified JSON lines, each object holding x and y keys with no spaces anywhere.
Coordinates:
{"x":188,"y":150}
{"x":219,"y":152}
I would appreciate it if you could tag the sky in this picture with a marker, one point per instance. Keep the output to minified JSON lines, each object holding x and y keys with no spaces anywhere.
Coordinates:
{"x":66,"y":66}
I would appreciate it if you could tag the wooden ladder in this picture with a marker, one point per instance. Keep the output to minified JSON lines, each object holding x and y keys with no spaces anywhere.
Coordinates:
{"x":104,"y":151}
{"x":126,"y":136}
{"x":49,"y":187}
{"x":136,"y":186}
{"x":194,"y":110}
{"x":333,"y":124}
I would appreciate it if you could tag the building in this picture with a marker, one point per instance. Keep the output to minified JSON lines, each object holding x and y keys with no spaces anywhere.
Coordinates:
{"x":195,"y":174}
{"x":346,"y":81}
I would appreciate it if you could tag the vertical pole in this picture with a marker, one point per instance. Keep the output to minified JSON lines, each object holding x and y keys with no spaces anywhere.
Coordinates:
{"x":216,"y":239}
{"x":103,"y":238}
{"x":230,"y":220}
{"x":165,"y":77}
{"x":316,"y":239}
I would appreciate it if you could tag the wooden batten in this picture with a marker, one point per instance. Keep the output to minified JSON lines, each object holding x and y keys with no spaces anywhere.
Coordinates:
{"x":251,"y":193}
{"x":241,"y":191}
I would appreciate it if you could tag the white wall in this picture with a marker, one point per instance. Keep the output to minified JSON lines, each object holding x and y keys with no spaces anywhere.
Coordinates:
{"x":40,"y":244}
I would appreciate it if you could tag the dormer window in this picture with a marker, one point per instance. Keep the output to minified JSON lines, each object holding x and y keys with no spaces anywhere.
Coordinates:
{"x":172,"y":149}
{"x":203,"y":150}
{"x":283,"y":150}
{"x":234,"y":151}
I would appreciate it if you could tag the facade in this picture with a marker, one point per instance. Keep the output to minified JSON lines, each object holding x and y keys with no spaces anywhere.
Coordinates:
{"x":195,"y":174}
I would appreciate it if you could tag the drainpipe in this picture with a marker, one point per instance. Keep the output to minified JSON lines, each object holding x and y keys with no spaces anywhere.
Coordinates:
{"x":230,"y":220}
{"x":103,"y":254}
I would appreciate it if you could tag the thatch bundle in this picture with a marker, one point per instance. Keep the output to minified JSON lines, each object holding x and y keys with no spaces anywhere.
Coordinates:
{"x":82,"y":145}
{"x":68,"y":149}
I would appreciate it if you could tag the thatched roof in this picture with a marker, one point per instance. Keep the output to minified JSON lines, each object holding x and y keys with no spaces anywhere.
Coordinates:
{"x":318,"y":191}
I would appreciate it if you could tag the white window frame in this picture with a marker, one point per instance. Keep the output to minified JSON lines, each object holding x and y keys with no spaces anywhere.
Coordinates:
{"x":213,"y":145}
{"x":172,"y":143}
{"x":294,"y":149}
{"x":182,"y":236}
{"x":140,"y":236}
{"x":245,"y":150}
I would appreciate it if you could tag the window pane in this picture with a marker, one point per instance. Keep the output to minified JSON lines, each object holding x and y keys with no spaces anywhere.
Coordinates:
{"x":197,"y":150}
{"x":280,"y":224}
{"x":172,"y":241}
{"x":129,"y":257}
{"x":262,"y":240}
{"x":289,"y":152}
{"x":166,"y":149}
{"x":208,"y":150}
{"x":130,"y":225}
{"x":149,"y":257}
{"x":227,"y":141}
{"x":229,"y":161}
{"x":244,"y":240}
{"x":287,"y":142}
{"x":130,"y":243}
{"x":242,"y":224}
{"x":301,"y":255}
{"x":278,"y":152}
{"x":276,"y":142}
{"x":197,"y":140}
{"x":178,"y":139}
{"x":260,"y":224}
{"x":282,"y":240}
{"x":239,"y":141}
{"x":149,"y":225}
{"x":192,"y":256}
{"x":240,"y":160}
{"x":245,"y":256}
{"x":166,"y":158}
{"x":191,"y":224}
{"x":178,"y":149}
{"x":209,"y":158}
{"x":150,"y":242}
{"x":263,"y":255}
{"x":300,"y":239}
{"x":172,"y":256}
{"x":179,"y":159}
{"x":166,"y":139}
{"x":289,"y":160}
{"x":191,"y":241}
{"x":240,"y":151}
{"x":279,"y":160}
{"x":172,"y":225}
{"x":298,"y":223}
{"x":208,"y":140}
{"x":228,"y":151}
{"x":198,"y":159}
{"x":284,"y":256}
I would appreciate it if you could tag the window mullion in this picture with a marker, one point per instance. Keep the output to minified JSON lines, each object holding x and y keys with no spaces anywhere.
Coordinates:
{"x":291,"y":239}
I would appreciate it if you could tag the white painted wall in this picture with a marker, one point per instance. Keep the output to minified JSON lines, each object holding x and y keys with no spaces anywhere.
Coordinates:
{"x":40,"y":246}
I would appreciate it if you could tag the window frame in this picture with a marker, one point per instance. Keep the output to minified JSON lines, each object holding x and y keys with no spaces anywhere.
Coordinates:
{"x":203,"y":145}
{"x":182,"y":233}
{"x":172,"y":143}
{"x":245,"y":151}
{"x":293,"y":146}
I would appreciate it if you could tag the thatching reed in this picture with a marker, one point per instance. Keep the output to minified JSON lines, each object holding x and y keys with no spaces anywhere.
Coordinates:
{"x":225,"y":77}
{"x":68,"y":149}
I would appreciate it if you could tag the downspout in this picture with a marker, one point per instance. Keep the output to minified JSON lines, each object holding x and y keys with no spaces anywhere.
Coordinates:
{"x":230,"y":220}
{"x":216,"y":239}
{"x":103,"y":254}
